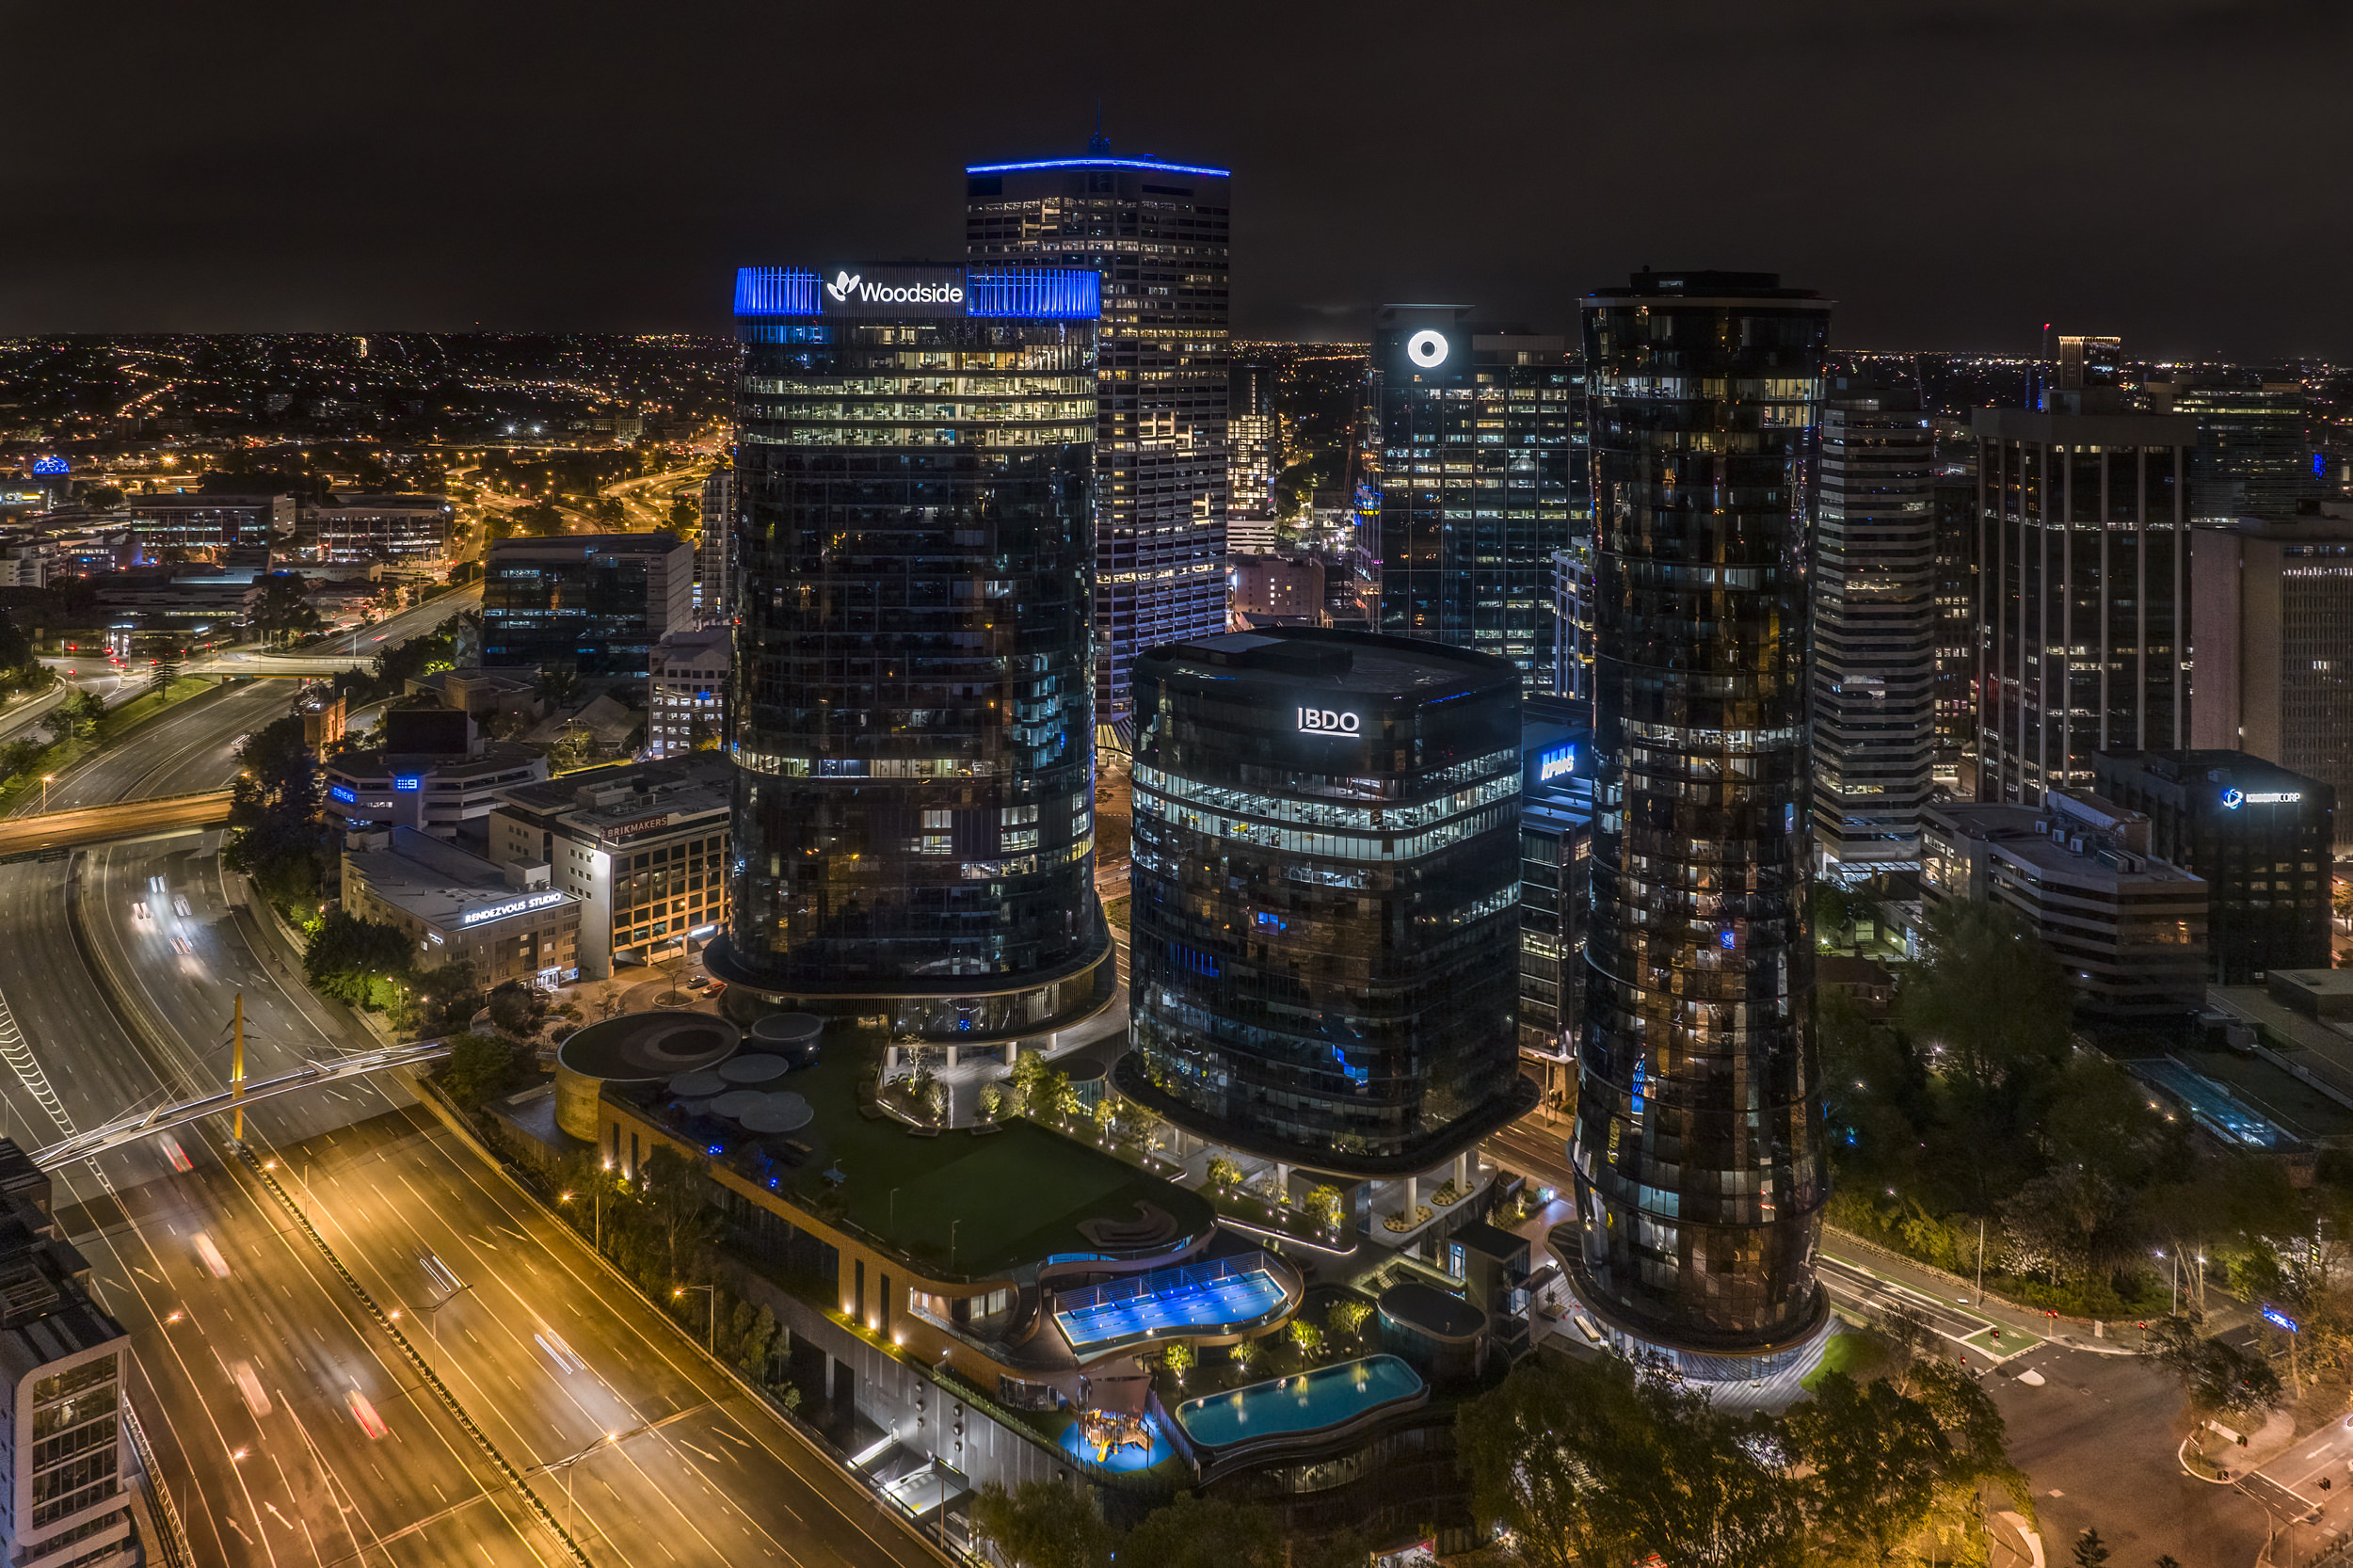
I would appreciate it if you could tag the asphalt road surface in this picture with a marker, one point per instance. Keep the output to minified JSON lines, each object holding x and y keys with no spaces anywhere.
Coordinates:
{"x":190,"y":747}
{"x":288,"y":1428}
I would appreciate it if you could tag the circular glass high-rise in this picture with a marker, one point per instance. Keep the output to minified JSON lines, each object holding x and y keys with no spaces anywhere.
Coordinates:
{"x":914,"y":710}
{"x":1698,"y":1154}
{"x":1324,"y":953}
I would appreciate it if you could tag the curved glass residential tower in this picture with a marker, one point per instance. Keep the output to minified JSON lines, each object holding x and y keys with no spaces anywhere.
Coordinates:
{"x":913,"y":711}
{"x":1697,"y":1150}
{"x":1326,"y":948}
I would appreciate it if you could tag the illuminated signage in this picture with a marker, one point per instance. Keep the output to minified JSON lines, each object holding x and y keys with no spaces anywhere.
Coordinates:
{"x":344,"y":794}
{"x":849,"y":285}
{"x":52,"y":464}
{"x":409,"y":781}
{"x":1323,"y":721}
{"x":512,"y":907}
{"x":1427,"y":349}
{"x":2278,"y":1318}
{"x":643,"y":825}
{"x":2234,"y":799}
{"x":1557,"y":763}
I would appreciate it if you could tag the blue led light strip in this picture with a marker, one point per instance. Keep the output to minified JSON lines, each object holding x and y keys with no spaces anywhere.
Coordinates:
{"x":1099,"y":163}
{"x":776,"y":291}
{"x":1033,"y":293}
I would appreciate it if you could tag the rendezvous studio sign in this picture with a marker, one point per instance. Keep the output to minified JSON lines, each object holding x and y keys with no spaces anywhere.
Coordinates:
{"x":896,"y":292}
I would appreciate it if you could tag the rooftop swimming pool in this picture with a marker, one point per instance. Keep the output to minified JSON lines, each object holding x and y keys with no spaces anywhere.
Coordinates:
{"x":1309,"y":1401}
{"x":1213,"y":1297}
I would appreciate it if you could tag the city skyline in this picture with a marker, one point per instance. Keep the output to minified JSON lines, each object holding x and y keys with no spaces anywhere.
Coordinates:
{"x":602,"y":178}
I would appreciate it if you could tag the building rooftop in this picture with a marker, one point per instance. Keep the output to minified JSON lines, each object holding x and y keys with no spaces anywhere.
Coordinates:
{"x":496,"y":757}
{"x":568,"y":546}
{"x":1316,"y":660}
{"x":443,"y":886}
{"x":604,"y":802}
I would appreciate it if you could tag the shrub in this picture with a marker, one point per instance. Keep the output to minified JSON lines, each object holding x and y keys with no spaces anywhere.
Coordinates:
{"x":1323,"y":1207}
{"x":1223,"y":1173}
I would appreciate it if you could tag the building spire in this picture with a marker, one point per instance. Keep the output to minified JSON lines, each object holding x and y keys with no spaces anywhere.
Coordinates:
{"x":1098,"y":145}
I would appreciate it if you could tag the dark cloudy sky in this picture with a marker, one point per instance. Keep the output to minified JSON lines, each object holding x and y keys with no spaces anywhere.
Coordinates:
{"x":1953,"y":174}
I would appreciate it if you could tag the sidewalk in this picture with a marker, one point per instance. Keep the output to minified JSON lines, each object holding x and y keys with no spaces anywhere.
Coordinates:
{"x":2101,"y":1339}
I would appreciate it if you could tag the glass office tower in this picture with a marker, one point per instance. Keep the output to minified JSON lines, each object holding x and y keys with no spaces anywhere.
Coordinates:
{"x":913,"y":719}
{"x":1156,"y":232}
{"x":1697,"y":1148}
{"x":1472,"y":433}
{"x":1326,"y":880}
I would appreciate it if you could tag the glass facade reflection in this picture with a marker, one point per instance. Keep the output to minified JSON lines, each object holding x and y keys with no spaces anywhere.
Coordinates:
{"x":1697,"y":1148}
{"x":1476,"y":492}
{"x":913,"y":717}
{"x":1324,"y":954}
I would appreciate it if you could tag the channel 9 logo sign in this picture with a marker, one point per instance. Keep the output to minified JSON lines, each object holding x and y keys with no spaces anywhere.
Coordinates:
{"x":1322,"y":721}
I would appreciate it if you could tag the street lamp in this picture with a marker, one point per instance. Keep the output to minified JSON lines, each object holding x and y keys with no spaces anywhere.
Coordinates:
{"x":712,"y":1292}
{"x":46,"y":779}
{"x":565,"y":1464}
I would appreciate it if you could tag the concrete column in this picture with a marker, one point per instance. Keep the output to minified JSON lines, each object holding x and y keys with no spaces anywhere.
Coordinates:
{"x":952,"y":1056}
{"x":1282,"y":1181}
{"x":1463,"y":1172}
{"x":1413,"y":1196}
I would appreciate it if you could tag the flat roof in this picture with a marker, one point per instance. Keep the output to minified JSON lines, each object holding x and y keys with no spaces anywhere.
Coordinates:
{"x":1151,"y":165}
{"x":1361,"y":664}
{"x":646,"y":1047}
{"x":446,"y":886}
{"x":598,"y":801}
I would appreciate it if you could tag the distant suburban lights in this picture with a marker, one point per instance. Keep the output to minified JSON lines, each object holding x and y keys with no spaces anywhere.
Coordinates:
{"x":1098,"y":163}
{"x":1426,"y":349}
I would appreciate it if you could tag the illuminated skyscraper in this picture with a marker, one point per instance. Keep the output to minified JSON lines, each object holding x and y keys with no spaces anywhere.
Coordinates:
{"x":1697,"y":1151}
{"x":1471,"y":443}
{"x":1874,"y":627}
{"x":1156,"y":232}
{"x":913,"y":720}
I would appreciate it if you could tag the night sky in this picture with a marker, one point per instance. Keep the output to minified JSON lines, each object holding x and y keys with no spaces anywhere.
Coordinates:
{"x":1954,"y":175}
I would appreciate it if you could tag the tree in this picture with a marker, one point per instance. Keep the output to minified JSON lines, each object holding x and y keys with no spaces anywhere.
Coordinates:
{"x":2217,"y":1376}
{"x":89,"y":711}
{"x":281,"y":613}
{"x":1223,"y":1173}
{"x":274,"y":827}
{"x":1041,"y":1524}
{"x":1191,"y":1533}
{"x":1345,"y":1316}
{"x":452,"y":995}
{"x":480,"y":1066}
{"x":1989,"y":997}
{"x":1876,"y":1457}
{"x":1324,"y":1207}
{"x":518,"y":1008}
{"x":1178,"y":1358}
{"x":356,"y":960}
{"x":672,"y":1195}
{"x":1308,"y":1338}
{"x":2091,"y":1551}
{"x":1541,"y":1453}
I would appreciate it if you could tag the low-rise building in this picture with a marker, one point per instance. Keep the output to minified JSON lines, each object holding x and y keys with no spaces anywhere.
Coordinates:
{"x":381,"y":527}
{"x":193,"y":521}
{"x":687,"y":690}
{"x":2127,"y":929}
{"x":484,"y":695}
{"x":641,"y":845}
{"x":507,"y":921}
{"x":65,"y":1367}
{"x":1275,"y":590}
{"x":432,"y":771}
{"x":193,"y":603}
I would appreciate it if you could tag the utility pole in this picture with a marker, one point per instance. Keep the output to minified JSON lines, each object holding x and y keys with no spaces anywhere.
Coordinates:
{"x":1980,"y":1300}
{"x":236,"y":1074}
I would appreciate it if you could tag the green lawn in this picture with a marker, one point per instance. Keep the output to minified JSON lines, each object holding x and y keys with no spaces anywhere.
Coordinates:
{"x":1010,"y":1196}
{"x":1853,"y":1352}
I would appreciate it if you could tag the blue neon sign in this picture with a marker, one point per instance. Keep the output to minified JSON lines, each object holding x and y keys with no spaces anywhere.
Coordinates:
{"x":1033,"y":293}
{"x":2278,"y":1318}
{"x":344,"y":792}
{"x":2320,"y":465}
{"x":409,"y":781}
{"x":52,"y":464}
{"x":1152,"y":163}
{"x":1556,"y":763}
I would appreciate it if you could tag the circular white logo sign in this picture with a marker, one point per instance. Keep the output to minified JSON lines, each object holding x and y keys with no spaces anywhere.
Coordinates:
{"x":1426,"y":349}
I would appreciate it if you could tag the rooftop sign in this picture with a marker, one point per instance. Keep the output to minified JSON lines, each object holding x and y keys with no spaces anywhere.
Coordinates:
{"x":512,"y":907}
{"x":901,"y":292}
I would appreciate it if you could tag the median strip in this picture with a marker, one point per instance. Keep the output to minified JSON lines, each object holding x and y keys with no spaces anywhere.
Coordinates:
{"x":410,"y":1353}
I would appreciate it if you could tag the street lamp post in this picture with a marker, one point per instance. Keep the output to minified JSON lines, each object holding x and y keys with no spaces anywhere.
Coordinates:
{"x":712,"y":1291}
{"x":46,"y":779}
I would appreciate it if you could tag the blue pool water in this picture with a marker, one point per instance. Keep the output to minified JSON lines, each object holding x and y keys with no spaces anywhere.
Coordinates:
{"x":1184,"y":1302}
{"x":1308,"y":1402}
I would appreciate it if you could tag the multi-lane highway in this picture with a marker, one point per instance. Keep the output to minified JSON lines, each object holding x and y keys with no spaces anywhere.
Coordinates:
{"x":190,"y":747}
{"x":288,"y":1426}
